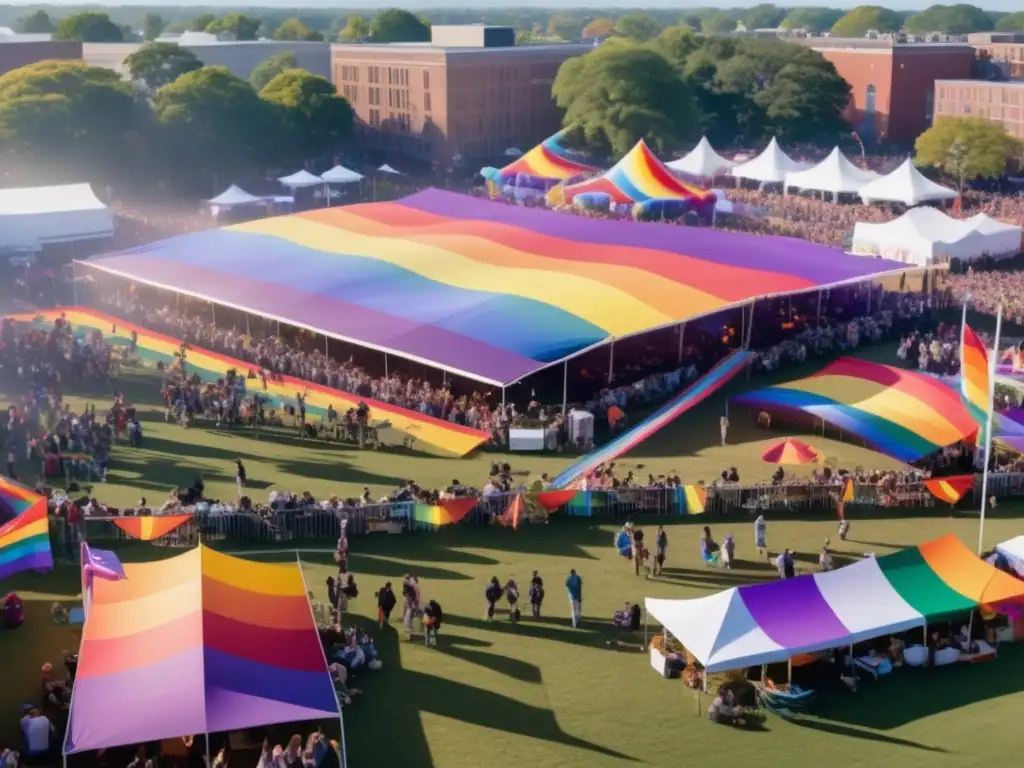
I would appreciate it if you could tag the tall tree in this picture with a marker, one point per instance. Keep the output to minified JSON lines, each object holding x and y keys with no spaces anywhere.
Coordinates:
{"x":638,"y":26}
{"x":36,"y":23}
{"x":237,"y":26}
{"x":294,"y":29}
{"x":805,"y":103}
{"x":270,"y":68}
{"x":764,"y":16}
{"x":396,"y":25}
{"x":158,"y":64}
{"x":967,"y":148}
{"x":691,"y":20}
{"x":316,"y":119}
{"x":949,"y":19}
{"x":356,"y":28}
{"x":622,"y":92}
{"x":865,"y":18}
{"x":676,"y":44}
{"x":565,"y":26}
{"x":599,"y":27}
{"x":152,"y":26}
{"x":719,"y":24}
{"x":202,"y":21}
{"x":1013,"y":22}
{"x":814,"y":20}
{"x":89,"y":27}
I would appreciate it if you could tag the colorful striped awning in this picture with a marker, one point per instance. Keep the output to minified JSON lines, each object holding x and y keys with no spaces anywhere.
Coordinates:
{"x":199,"y":643}
{"x":548,"y":160}
{"x":771,"y":622}
{"x":24,"y":530}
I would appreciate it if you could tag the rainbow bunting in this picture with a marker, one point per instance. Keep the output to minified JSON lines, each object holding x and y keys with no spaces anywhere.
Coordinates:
{"x":149,"y":528}
{"x":975,"y":378}
{"x":25,"y":538}
{"x":950,"y":489}
{"x":695,"y":498}
{"x":447,"y":512}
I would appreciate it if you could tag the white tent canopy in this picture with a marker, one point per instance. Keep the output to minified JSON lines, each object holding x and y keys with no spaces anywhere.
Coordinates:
{"x":235,"y":195}
{"x":905,"y":185}
{"x":835,"y":174}
{"x":31,"y":216}
{"x":339,"y":174}
{"x":301,"y":179}
{"x":702,"y":161}
{"x":771,"y":166}
{"x":924,"y":236}
{"x":1013,"y":550}
{"x":388,"y":169}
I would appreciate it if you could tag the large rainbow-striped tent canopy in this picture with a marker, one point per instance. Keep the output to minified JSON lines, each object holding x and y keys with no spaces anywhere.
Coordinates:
{"x":548,"y":160}
{"x":488,"y":291}
{"x":904,"y":414}
{"x":640,"y":177}
{"x":772,"y":622}
{"x":199,"y":643}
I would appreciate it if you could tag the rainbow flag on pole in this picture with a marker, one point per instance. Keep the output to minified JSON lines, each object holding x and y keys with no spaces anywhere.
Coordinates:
{"x":25,"y":537}
{"x":975,"y":378}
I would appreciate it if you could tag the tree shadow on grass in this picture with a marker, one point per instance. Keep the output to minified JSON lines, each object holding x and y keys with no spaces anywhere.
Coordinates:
{"x":590,"y":633}
{"x":835,"y":729}
{"x":364,"y":565}
{"x":461,"y":648}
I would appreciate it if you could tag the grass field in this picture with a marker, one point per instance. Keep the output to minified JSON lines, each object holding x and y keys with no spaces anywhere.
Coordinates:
{"x":543,"y":694}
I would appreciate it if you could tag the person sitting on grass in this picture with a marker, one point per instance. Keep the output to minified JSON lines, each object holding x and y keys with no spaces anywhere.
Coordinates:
{"x":339,"y":675}
{"x":432,"y":617}
{"x":536,"y":594}
{"x":492,"y":594}
{"x":628,"y":618}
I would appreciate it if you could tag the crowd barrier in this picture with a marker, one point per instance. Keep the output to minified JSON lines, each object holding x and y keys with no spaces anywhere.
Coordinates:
{"x":315,"y":525}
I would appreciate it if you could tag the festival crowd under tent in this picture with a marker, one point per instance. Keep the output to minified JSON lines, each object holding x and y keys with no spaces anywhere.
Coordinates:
{"x":905,"y":185}
{"x":903,"y":414}
{"x":835,"y":174}
{"x":772,"y":622}
{"x":31,"y":217}
{"x":490,"y":292}
{"x":924,"y":236}
{"x":640,"y":179}
{"x":301,"y":180}
{"x":196,"y":644}
{"x":701,"y":162}
{"x":544,"y":166}
{"x":769,"y":167}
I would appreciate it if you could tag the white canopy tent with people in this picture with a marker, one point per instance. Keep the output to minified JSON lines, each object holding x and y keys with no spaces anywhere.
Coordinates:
{"x":905,"y":185}
{"x":769,"y":167}
{"x":835,"y":174}
{"x":702,"y":161}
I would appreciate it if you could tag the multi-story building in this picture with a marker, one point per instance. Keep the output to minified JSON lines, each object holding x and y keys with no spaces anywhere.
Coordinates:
{"x":1000,"y":55}
{"x":893,"y":83}
{"x":468,"y":95}
{"x":21,"y":50}
{"x":1000,"y":102}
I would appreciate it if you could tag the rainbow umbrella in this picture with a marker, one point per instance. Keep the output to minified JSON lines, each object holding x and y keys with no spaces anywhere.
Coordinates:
{"x":790,"y":451}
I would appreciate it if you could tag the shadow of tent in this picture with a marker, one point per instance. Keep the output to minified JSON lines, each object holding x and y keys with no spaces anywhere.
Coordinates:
{"x":835,"y":729}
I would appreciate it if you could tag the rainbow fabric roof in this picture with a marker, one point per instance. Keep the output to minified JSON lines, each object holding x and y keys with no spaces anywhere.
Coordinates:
{"x":772,"y":622}
{"x":548,"y":160}
{"x":640,"y":177}
{"x":904,"y":414}
{"x":486,"y":290}
{"x":199,"y":643}
{"x":24,"y":530}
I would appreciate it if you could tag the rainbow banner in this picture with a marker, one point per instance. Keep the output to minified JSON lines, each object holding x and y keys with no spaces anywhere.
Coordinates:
{"x":950,"y":489}
{"x":153,"y":347}
{"x":700,"y":390}
{"x":695,"y":499}
{"x":548,"y":160}
{"x":904,"y":414}
{"x":975,"y":378}
{"x":25,"y":536}
{"x":149,"y":528}
{"x":223,"y":644}
{"x":446,"y":512}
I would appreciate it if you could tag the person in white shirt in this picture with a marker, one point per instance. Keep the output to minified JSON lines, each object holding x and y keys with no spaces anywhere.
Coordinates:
{"x":38,"y":730}
{"x":723,"y":426}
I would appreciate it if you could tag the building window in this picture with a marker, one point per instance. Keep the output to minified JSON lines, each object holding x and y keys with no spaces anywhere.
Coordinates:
{"x":426,"y":79}
{"x":966,"y":109}
{"x":929,"y":105}
{"x":375,"y":118}
{"x":426,"y":101}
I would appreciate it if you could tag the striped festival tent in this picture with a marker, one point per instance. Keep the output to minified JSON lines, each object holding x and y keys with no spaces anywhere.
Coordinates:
{"x":24,"y":530}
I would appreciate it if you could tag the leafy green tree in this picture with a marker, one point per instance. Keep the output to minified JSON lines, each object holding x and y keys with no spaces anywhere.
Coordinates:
{"x":676,"y":44}
{"x":316,"y":119}
{"x":1013,"y":22}
{"x":356,"y":28}
{"x":719,"y":24}
{"x":764,"y":16}
{"x":36,"y":23}
{"x":202,"y":21}
{"x":158,"y":64}
{"x":691,"y":20}
{"x":805,"y":103}
{"x":814,"y":20}
{"x":152,"y":26}
{"x":622,"y":92}
{"x":599,"y":27}
{"x":949,"y":19}
{"x":270,"y":68}
{"x":967,"y":148}
{"x":237,"y":26}
{"x":294,"y":29}
{"x":398,"y":26}
{"x":638,"y":26}
{"x":864,"y":18}
{"x":564,"y":26}
{"x":89,"y":27}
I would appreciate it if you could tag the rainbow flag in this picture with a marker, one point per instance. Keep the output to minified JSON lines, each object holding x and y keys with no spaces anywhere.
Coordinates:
{"x":975,"y":378}
{"x":149,"y":528}
{"x":448,"y":512}
{"x":950,"y":489}
{"x":695,"y":497}
{"x":25,"y":537}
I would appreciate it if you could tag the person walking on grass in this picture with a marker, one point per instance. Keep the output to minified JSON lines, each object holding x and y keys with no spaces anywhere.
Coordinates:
{"x":574,"y":585}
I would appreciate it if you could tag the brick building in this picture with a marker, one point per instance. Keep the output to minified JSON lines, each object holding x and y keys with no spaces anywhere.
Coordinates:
{"x":892,"y":83}
{"x":1000,"y":102}
{"x":1000,"y":55}
{"x":21,"y":50}
{"x":469,"y":94}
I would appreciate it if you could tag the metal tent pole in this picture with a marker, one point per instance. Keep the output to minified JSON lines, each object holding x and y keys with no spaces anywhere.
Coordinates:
{"x":208,"y":763}
{"x":213,"y":313}
{"x":611,"y":361}
{"x":682,"y":333}
{"x":565,"y":388}
{"x":817,"y":322}
{"x":385,"y":365}
{"x":74,"y":282}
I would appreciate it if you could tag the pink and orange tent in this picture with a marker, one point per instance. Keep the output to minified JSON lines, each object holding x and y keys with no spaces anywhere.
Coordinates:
{"x":199,"y":643}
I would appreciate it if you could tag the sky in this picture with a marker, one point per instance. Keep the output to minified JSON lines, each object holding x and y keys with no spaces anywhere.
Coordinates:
{"x":897,"y":5}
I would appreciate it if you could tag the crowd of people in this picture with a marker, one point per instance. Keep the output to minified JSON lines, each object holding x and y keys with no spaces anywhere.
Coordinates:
{"x":987,"y":291}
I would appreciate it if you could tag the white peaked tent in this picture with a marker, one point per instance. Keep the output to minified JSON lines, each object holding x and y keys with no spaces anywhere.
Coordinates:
{"x":235,"y":195}
{"x":835,"y":174}
{"x":702,"y":161}
{"x":771,"y":166}
{"x":388,"y":169}
{"x":339,"y":174}
{"x":924,"y":236}
{"x":1013,"y":550}
{"x":301,"y":179}
{"x":905,"y":185}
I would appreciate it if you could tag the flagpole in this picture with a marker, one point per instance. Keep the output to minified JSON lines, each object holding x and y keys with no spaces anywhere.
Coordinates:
{"x":992,"y":363}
